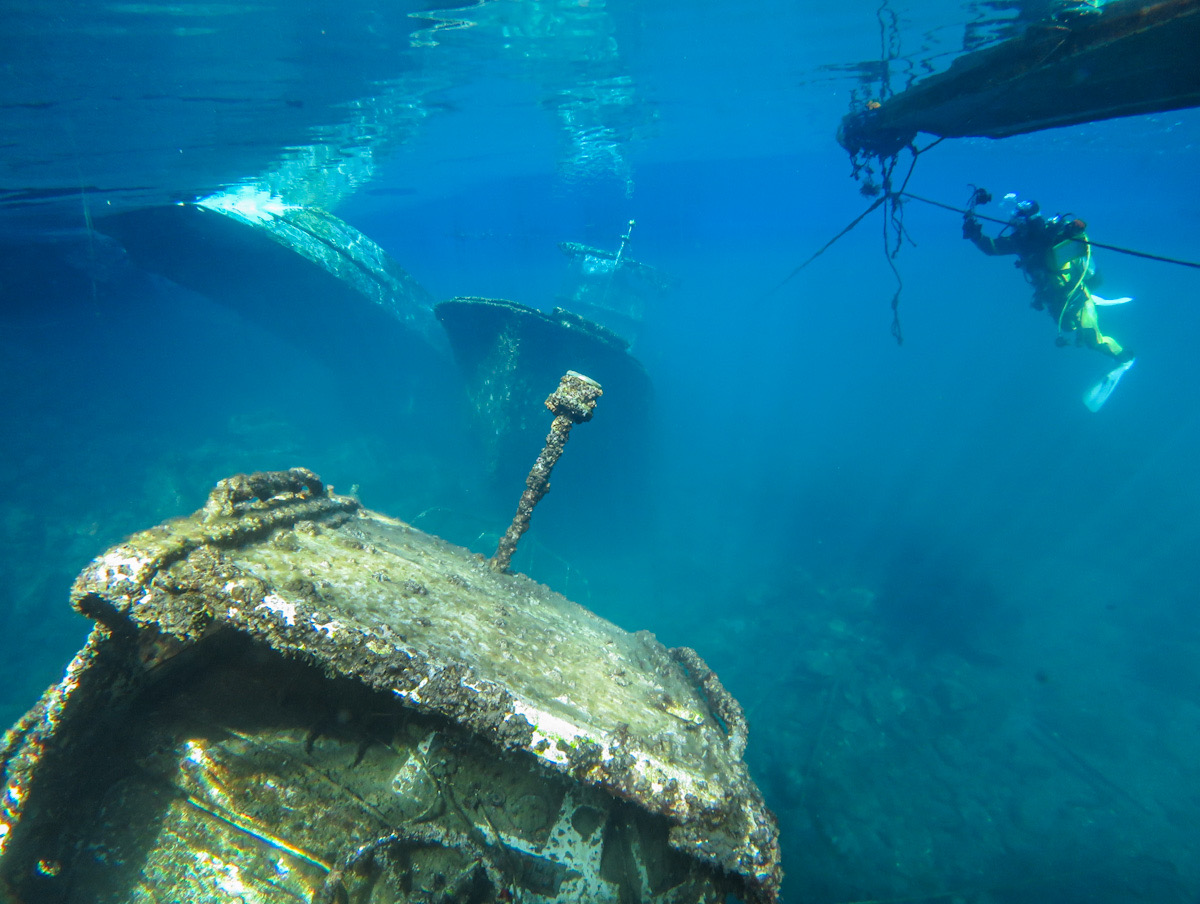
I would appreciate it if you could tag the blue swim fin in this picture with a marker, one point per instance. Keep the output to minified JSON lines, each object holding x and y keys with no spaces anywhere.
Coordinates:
{"x":1095,"y":397}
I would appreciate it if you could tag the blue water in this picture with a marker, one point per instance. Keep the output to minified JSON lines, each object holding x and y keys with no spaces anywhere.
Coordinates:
{"x":959,"y":608}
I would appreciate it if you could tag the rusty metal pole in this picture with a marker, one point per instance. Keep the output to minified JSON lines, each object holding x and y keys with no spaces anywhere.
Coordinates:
{"x":572,"y":403}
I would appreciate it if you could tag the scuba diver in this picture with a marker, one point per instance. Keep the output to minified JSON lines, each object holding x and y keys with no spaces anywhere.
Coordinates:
{"x":1056,"y":258}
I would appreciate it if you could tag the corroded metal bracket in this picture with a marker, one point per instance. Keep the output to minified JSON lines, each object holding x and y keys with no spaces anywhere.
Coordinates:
{"x":571,"y":403}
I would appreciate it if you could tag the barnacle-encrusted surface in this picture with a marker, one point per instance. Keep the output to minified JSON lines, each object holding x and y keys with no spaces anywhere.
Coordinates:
{"x":319,"y":579}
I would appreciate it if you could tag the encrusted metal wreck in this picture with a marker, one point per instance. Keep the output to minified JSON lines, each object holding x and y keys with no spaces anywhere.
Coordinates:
{"x":287,"y":697}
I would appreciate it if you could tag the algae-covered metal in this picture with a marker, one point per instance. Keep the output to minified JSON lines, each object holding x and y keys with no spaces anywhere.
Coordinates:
{"x":571,"y":403}
{"x":509,"y":353}
{"x":288,"y":697}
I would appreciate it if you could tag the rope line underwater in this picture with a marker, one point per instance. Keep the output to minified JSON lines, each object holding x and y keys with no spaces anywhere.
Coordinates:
{"x":1119,"y":249}
{"x":865,"y":164}
{"x":893,"y":226}
{"x":893,"y":197}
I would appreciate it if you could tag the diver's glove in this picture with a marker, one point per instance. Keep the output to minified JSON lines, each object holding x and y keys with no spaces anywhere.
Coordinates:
{"x":972,"y":229}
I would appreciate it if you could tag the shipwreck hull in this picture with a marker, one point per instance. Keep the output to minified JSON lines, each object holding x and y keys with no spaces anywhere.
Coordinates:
{"x":288,"y":697}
